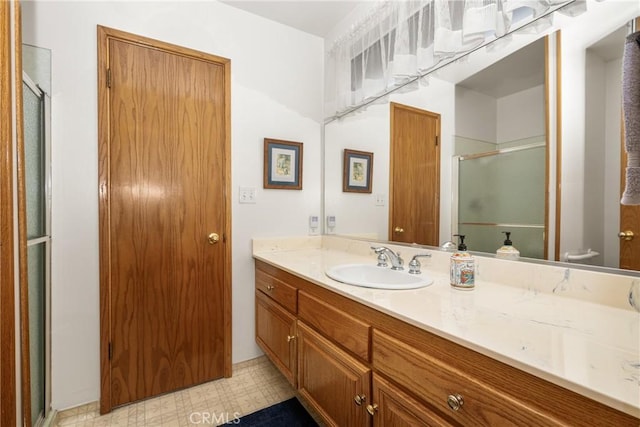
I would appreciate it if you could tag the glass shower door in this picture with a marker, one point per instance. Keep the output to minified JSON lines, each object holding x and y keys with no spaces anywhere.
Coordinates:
{"x":35,"y":109}
{"x":503,"y":191}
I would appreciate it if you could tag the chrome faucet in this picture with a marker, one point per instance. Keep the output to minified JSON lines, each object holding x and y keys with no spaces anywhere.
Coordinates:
{"x":383,"y":252}
{"x":414,"y":264}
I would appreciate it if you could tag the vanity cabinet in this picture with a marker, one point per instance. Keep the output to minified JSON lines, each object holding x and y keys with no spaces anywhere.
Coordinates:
{"x":276,"y":309}
{"x":275,"y":334}
{"x":357,"y":366}
{"x":459,"y":394}
{"x":334,"y":383}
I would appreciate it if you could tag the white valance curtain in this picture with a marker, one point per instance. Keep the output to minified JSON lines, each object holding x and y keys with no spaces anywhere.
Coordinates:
{"x":403,"y":39}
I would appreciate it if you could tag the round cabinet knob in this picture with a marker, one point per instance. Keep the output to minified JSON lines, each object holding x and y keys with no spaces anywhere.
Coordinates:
{"x":372,"y":409}
{"x":626,"y":235}
{"x":290,"y":338}
{"x":359,"y":399}
{"x":270,"y":287}
{"x":455,"y":402}
{"x":213,"y":238}
{"x":399,"y":230}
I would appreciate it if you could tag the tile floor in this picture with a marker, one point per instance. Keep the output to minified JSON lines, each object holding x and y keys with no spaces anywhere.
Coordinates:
{"x":255,"y":384}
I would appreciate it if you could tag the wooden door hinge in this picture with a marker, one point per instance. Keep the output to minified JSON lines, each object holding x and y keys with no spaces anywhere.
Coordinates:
{"x":109,"y":78}
{"x":110,"y":351}
{"x":437,"y":140}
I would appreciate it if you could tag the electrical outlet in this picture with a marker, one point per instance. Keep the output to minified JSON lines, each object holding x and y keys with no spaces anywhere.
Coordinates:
{"x":247,"y":195}
{"x":331,"y":224}
{"x":314,"y":225}
{"x":381,"y":199}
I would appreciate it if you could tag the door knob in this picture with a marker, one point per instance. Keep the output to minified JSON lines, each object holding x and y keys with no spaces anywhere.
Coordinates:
{"x":372,"y":409}
{"x":213,"y":238}
{"x":399,"y":230}
{"x":626,"y":235}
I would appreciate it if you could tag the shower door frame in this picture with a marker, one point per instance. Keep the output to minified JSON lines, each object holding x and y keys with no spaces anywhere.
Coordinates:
{"x":46,"y":240}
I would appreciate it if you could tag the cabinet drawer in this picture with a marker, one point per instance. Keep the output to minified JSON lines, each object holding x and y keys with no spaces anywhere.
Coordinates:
{"x":394,"y":408}
{"x":285,"y":295}
{"x":435,"y":381}
{"x":349,"y":332}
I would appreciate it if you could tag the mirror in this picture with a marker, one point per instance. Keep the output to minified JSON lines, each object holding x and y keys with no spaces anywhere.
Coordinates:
{"x":584,"y":222}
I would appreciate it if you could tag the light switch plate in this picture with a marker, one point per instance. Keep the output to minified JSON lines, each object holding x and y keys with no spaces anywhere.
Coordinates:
{"x":381,"y":199}
{"x":247,"y":195}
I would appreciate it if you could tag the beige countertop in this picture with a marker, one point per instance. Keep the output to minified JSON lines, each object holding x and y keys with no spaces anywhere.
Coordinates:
{"x":590,"y":348}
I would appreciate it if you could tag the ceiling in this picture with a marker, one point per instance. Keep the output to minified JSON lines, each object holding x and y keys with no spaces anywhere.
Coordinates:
{"x":521,"y":70}
{"x":311,"y":16}
{"x":612,"y":46}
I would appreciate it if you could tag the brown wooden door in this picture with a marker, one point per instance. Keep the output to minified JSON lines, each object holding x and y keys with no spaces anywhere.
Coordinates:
{"x":414,"y":209}
{"x":163,"y":185}
{"x":329,"y":379}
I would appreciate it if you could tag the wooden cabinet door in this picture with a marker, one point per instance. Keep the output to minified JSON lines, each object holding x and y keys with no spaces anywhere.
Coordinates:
{"x":275,"y":334}
{"x":330,"y":379}
{"x":394,"y":408}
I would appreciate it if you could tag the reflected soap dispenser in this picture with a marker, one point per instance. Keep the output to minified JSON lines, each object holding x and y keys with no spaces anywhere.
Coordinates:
{"x":507,"y":251}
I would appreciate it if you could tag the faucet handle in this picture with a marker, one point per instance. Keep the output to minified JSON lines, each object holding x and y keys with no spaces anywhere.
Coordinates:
{"x":382,"y":260}
{"x":414,"y":264}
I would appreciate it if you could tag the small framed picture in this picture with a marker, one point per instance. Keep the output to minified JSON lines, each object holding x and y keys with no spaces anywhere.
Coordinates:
{"x":357,"y":171}
{"x":282,"y":164}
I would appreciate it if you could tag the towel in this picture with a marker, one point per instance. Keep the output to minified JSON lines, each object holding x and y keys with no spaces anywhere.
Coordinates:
{"x":631,"y":109}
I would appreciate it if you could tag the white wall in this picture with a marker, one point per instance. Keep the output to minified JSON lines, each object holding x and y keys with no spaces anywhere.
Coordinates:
{"x":476,"y":115}
{"x":521,"y":115}
{"x":595,"y":106}
{"x":357,"y":213}
{"x":276,"y":92}
{"x":602,"y":159}
{"x":612,"y":148}
{"x":578,"y":33}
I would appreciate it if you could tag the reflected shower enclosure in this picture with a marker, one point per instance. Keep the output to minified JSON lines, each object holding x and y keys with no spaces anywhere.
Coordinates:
{"x":501,"y":191}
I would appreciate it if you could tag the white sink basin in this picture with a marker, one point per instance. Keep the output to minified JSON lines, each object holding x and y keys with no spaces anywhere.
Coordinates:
{"x":371,"y":276}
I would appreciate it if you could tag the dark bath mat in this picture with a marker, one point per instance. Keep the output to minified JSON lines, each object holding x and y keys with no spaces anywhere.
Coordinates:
{"x":289,"y":413}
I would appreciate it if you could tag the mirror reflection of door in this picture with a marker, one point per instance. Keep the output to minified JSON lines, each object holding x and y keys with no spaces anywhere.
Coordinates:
{"x":414,"y":188}
{"x":629,"y":234}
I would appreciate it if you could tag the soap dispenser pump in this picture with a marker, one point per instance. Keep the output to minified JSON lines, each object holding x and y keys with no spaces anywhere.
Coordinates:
{"x":507,"y":251}
{"x":461,"y":245}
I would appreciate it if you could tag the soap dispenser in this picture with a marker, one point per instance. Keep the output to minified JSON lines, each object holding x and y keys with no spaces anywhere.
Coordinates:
{"x":507,"y":251}
{"x":462,"y":267}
